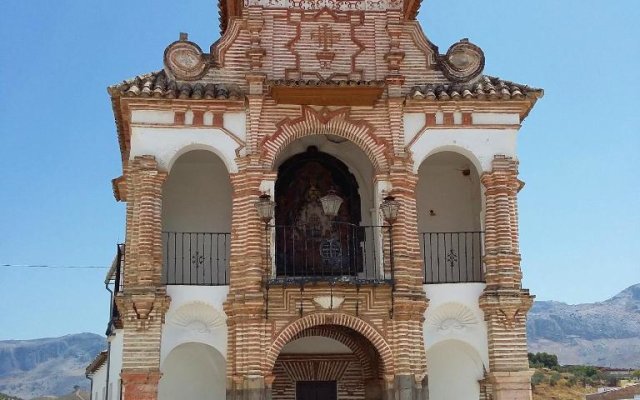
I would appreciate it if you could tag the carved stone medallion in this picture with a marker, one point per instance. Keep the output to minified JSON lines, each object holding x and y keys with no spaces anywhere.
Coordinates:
{"x":185,"y":60}
{"x":463,"y":61}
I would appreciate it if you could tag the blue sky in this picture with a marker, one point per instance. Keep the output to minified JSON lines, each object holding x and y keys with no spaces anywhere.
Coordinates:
{"x":580,"y":223}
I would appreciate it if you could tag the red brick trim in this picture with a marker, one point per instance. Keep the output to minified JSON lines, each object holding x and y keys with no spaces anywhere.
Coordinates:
{"x":336,"y":319}
{"x":327,"y":122}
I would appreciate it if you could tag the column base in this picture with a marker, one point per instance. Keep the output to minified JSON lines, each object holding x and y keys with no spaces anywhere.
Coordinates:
{"x":249,"y":389}
{"x":511,"y":385}
{"x":405,"y":387}
{"x":140,"y":385}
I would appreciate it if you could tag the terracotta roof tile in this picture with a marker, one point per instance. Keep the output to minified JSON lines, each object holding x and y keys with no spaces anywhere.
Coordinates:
{"x":157,"y":84}
{"x":484,"y":88}
{"x":97,"y":362}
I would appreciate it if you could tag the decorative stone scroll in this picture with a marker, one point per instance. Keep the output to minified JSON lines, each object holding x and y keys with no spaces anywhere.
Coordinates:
{"x":185,"y":60}
{"x":463,"y":61}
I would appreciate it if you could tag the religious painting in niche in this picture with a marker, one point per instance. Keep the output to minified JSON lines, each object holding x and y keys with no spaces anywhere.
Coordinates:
{"x":308,"y":242}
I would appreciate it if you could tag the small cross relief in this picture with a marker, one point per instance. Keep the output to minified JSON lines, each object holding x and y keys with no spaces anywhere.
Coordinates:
{"x":326,"y":38}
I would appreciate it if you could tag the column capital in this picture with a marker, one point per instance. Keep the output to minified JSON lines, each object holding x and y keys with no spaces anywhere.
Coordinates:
{"x":142,"y":309}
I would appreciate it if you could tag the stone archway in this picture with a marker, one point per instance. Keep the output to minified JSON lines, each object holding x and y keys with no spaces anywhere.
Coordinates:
{"x":357,"y":362}
{"x":328,"y":360}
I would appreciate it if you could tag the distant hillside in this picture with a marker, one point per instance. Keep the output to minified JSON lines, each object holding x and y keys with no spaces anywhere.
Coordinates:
{"x":44,"y":367}
{"x":605,"y":333}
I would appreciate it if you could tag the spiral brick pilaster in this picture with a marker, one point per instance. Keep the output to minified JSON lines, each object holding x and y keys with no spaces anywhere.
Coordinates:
{"x":409,"y":300}
{"x":143,"y":302}
{"x":504,"y":302}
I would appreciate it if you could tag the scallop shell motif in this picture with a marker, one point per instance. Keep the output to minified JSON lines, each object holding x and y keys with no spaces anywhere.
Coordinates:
{"x":451,"y":317}
{"x":198,"y":316}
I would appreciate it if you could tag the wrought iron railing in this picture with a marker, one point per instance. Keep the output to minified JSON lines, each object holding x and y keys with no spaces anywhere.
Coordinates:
{"x":117,"y":274}
{"x":196,"y":258}
{"x":452,"y":257}
{"x":334,"y":252}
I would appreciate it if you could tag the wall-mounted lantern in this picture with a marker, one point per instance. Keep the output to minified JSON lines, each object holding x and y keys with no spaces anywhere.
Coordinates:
{"x":265,"y":208}
{"x":331,"y":204}
{"x":389,"y":208}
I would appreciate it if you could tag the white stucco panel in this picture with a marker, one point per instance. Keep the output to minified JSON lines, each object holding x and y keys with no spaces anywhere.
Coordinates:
{"x":413,"y":123}
{"x":454,"y":314}
{"x":479,"y":145}
{"x":236,"y":123}
{"x":495,"y":118}
{"x":167,"y":144}
{"x":178,"y":329}
{"x":152,"y":117}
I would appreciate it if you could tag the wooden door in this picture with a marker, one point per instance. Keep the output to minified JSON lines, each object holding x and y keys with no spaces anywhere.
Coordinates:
{"x":316,"y":390}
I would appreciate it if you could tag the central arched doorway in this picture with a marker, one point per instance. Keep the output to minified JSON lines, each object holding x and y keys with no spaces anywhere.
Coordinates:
{"x":309,"y":243}
{"x":328,"y":362}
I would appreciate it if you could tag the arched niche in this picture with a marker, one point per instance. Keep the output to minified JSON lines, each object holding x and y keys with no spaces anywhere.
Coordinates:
{"x":196,"y":220}
{"x":347,"y":152}
{"x":454,"y":369}
{"x":193,"y":371}
{"x":448,"y":194}
{"x":306,"y":171}
{"x":449,"y":205}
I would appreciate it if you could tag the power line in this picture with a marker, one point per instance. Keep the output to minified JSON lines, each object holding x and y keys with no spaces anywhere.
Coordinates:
{"x":52,"y":266}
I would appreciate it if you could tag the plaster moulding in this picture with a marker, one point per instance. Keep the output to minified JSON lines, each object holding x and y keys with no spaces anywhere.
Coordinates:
{"x":198,"y":316}
{"x":329,"y":302}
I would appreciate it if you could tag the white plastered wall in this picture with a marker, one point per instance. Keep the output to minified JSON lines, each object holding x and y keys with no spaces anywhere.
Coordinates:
{"x":197,"y":195}
{"x":455,"y":338}
{"x":315,"y":345}
{"x":195,"y":315}
{"x":152,"y":133}
{"x":478,"y":144}
{"x":99,"y":379}
{"x":448,"y":194}
{"x":193,"y":371}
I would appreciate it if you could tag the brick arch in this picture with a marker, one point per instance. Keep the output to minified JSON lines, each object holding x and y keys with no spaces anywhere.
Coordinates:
{"x":369,"y":369}
{"x":325,"y":122}
{"x":332,"y":319}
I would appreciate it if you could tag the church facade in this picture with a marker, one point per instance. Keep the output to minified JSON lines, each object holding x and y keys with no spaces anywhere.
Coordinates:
{"x":322,"y":206}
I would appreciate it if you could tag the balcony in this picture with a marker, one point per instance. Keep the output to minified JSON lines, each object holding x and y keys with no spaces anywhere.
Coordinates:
{"x":334,"y":252}
{"x":196,"y":258}
{"x":452,"y":257}
{"x":341,"y":253}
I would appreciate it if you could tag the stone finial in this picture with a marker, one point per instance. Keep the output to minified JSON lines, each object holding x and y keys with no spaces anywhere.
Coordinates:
{"x":184,"y":36}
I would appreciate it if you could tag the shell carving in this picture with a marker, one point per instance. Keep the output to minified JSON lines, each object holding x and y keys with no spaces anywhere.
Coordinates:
{"x":451,"y":317}
{"x":199,"y":317}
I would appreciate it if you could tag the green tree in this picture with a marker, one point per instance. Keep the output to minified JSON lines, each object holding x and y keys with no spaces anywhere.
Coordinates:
{"x":543,"y":360}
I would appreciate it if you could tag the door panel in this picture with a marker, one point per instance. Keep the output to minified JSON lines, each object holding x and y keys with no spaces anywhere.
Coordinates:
{"x":316,"y":390}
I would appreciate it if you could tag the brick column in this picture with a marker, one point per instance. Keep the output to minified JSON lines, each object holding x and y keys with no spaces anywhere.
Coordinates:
{"x":247,"y":327}
{"x":504,"y":302}
{"x":408,"y":298}
{"x":143,"y":301}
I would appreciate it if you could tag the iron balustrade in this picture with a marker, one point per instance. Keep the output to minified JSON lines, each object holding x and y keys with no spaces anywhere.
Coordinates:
{"x":196,"y":258}
{"x":453,"y":257}
{"x":336,"y":252}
